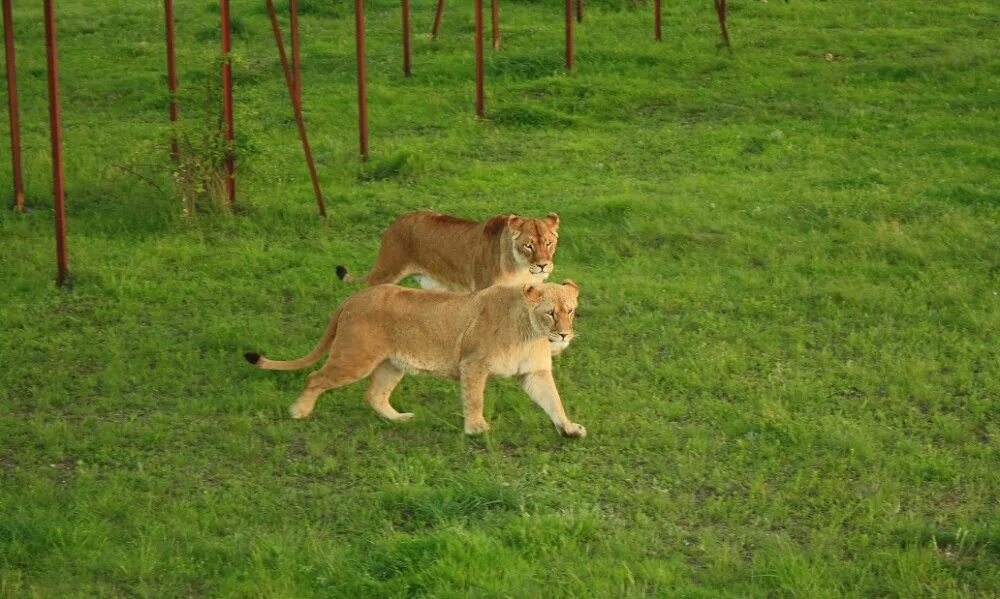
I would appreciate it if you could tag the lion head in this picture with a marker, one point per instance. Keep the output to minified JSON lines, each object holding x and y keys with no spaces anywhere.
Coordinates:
{"x":553,"y":308}
{"x":534,"y":242}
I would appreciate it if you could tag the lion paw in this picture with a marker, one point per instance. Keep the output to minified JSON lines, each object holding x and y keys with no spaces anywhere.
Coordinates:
{"x":297,"y":412}
{"x":403,"y":417}
{"x":574,"y":430}
{"x":476,"y":427}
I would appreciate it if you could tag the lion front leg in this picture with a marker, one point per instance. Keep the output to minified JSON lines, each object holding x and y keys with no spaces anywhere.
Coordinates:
{"x":541,"y":388}
{"x":473,"y":383}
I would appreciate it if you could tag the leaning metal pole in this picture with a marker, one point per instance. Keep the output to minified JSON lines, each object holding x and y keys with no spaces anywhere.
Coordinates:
{"x":495,"y":7}
{"x":359,"y":38}
{"x":657,"y":18}
{"x":720,"y":10}
{"x":293,"y":26}
{"x":406,"y":38}
{"x":480,"y":102}
{"x":289,"y":81}
{"x":296,"y":107}
{"x":436,"y":29}
{"x":55,"y":135}
{"x":15,"y":126}
{"x":227,"y":102}
{"x":569,"y":35}
{"x":168,"y":10}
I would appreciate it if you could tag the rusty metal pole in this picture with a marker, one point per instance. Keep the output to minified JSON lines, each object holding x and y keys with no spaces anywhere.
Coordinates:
{"x":480,"y":103}
{"x":720,"y":10}
{"x":168,"y":9}
{"x":579,"y":11}
{"x":293,"y":25}
{"x":281,"y":50}
{"x":657,"y":27}
{"x":55,"y":135}
{"x":569,"y":35}
{"x":227,"y":102}
{"x":15,"y":125}
{"x":496,"y":23}
{"x":436,"y":29}
{"x":406,"y":38}
{"x":359,"y":37}
{"x":296,"y":107}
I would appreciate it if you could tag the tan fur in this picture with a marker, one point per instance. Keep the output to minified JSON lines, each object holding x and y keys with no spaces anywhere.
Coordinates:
{"x":387,"y":331}
{"x":447,"y":253}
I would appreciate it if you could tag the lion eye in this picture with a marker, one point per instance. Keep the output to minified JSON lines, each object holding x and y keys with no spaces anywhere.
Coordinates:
{"x":548,"y":244}
{"x":552,"y":313}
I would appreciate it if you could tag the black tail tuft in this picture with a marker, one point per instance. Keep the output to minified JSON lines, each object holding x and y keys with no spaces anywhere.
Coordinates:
{"x":252,"y":357}
{"x":341,"y":272}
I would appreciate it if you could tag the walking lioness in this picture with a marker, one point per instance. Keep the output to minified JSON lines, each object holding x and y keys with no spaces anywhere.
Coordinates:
{"x":388,"y":331}
{"x":448,"y":253}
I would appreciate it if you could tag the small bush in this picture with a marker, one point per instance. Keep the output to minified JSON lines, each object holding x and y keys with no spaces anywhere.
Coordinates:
{"x":199,"y":172}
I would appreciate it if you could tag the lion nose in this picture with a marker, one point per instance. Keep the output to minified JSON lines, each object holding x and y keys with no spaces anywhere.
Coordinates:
{"x":543,"y":265}
{"x":564,"y":335}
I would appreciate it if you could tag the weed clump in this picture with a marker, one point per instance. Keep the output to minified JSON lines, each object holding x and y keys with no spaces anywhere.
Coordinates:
{"x":199,"y":167}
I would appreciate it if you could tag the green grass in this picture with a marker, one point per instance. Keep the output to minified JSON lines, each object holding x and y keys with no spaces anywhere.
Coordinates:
{"x":789,"y":260}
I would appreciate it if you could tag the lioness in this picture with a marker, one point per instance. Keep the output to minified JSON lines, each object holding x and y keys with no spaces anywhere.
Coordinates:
{"x":448,"y":253}
{"x":387,"y":331}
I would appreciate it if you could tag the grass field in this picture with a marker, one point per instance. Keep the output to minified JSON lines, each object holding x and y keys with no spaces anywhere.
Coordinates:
{"x":788,"y":363}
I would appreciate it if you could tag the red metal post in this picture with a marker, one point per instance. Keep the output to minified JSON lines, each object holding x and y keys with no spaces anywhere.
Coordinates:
{"x":168,"y":9}
{"x":281,"y":49}
{"x":293,"y":25}
{"x":496,"y":24}
{"x":359,"y":37}
{"x":227,"y":102}
{"x":579,"y":11}
{"x":437,"y":20}
{"x":720,"y":10}
{"x":55,"y":134}
{"x":15,"y":126}
{"x":480,"y":103}
{"x":296,"y":107}
{"x":657,"y":27}
{"x":569,"y":35}
{"x":406,"y":37}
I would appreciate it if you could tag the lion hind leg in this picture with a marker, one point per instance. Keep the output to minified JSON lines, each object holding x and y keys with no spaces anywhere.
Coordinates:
{"x":388,"y":273}
{"x":380,"y":274}
{"x":392,"y":264}
{"x":383,"y":380}
{"x":342,"y":369}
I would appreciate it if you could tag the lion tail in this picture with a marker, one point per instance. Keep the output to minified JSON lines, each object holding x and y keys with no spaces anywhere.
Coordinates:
{"x":308,"y":360}
{"x":347,"y":277}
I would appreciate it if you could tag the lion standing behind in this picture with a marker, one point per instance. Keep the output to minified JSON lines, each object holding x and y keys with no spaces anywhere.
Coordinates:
{"x":447,"y":253}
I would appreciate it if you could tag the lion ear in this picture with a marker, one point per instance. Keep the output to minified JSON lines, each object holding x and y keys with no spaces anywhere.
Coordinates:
{"x":553,"y":221}
{"x":571,"y":283}
{"x":532,"y":292}
{"x":513,"y":222}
